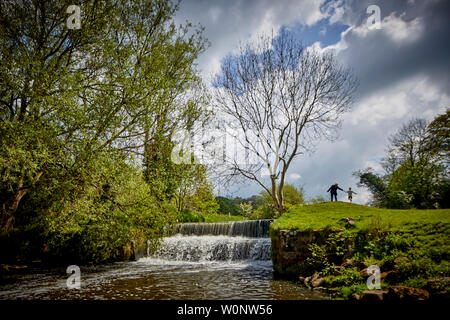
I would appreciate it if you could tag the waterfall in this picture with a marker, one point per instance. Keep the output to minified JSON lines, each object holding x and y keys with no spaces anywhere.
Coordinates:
{"x":252,"y":228}
{"x":224,"y":241}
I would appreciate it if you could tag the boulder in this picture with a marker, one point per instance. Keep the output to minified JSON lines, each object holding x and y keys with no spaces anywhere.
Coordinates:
{"x":396,"y":293}
{"x":348,"y":263}
{"x":349,"y":222}
{"x":317,"y":282}
{"x":355,"y":297}
{"x":363,"y":273}
{"x":372,"y":295}
{"x":438,"y":288}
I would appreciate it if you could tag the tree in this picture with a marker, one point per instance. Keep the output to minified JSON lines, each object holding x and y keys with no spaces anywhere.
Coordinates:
{"x":227,"y":206}
{"x":280,"y":97}
{"x":438,"y":138}
{"x":415,"y":167}
{"x":69,"y":97}
{"x":264,"y":204}
{"x":246,"y":209}
{"x":195,"y":192}
{"x":408,"y":144}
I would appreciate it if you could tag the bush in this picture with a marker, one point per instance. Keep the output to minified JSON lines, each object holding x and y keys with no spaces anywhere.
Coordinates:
{"x":95,"y":220}
{"x":190,"y":216}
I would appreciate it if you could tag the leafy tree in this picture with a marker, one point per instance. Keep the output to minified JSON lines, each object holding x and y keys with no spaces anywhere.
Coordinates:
{"x":265,"y":209}
{"x":376,"y":185}
{"x":415,"y":166}
{"x":227,"y":206}
{"x":195,"y":193}
{"x":76,"y":103}
{"x":246,"y":209}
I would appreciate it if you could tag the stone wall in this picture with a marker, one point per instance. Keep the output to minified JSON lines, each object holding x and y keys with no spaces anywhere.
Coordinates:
{"x":290,"y":250}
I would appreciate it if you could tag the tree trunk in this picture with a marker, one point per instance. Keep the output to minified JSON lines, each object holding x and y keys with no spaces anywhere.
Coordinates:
{"x":8,"y":212}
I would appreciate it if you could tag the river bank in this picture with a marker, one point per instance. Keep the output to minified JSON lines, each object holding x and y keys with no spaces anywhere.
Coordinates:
{"x":333,"y":245}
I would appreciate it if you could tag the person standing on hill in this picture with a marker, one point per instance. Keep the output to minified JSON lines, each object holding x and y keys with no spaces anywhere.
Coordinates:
{"x":350,"y":193}
{"x":333,"y":190}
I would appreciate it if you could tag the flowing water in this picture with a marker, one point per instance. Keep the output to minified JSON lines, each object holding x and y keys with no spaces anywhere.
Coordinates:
{"x":202,"y":261}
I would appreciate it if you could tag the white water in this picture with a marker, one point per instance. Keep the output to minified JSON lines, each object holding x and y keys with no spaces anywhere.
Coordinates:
{"x":230,"y":266}
{"x":214,"y":248}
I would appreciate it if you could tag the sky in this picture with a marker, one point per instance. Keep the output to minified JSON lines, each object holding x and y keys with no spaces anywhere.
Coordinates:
{"x":403,"y":69}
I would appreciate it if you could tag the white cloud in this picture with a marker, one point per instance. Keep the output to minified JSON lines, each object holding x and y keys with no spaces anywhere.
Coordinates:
{"x":412,"y":97}
{"x":402,"y":31}
{"x":294,"y":176}
{"x":228,"y":22}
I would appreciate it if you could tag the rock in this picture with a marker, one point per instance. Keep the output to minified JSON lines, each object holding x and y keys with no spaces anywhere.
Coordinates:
{"x":438,"y":288}
{"x":396,"y":293}
{"x":363,"y":273}
{"x":355,"y":297}
{"x":389,"y":276}
{"x":317,"y":282}
{"x":372,"y":295}
{"x":348,"y":263}
{"x":349,"y":222}
{"x":337,"y":270}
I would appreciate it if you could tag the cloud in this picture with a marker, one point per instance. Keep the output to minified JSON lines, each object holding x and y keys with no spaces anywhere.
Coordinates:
{"x":293,"y":176}
{"x":403,"y":69}
{"x":229,"y":22}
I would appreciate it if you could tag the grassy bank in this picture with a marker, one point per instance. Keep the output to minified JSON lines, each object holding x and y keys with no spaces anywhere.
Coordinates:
{"x":410,"y":246}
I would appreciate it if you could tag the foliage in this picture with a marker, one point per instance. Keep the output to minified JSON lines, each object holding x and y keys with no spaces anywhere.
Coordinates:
{"x":318,"y":199}
{"x":415,"y":165}
{"x":411,"y":245}
{"x":265,"y":208}
{"x":227,"y":206}
{"x":76,"y":106}
{"x":246,"y":209}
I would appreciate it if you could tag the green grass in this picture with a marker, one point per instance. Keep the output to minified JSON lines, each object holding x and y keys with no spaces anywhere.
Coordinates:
{"x":429,"y":229}
{"x":329,"y":215}
{"x":414,"y":243}
{"x":223,"y":217}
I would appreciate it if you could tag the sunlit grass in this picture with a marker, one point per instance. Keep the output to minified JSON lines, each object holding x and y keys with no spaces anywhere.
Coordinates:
{"x":329,"y":215}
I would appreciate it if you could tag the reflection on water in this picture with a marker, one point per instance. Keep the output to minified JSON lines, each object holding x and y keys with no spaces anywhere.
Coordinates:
{"x":151,"y":278}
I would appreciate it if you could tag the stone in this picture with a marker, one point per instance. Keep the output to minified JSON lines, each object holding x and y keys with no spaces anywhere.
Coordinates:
{"x":348,"y":263}
{"x":396,"y":293}
{"x":363,"y":273}
{"x":438,"y":288}
{"x":372,"y":295}
{"x":317,"y":282}
{"x":355,"y":297}
{"x":349,"y":222}
{"x":391,"y":276}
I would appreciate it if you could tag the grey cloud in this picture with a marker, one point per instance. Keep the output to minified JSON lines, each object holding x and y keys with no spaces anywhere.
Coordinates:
{"x":381,"y":63}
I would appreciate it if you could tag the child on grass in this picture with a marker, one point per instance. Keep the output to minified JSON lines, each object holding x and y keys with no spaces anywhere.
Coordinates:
{"x":350,"y":193}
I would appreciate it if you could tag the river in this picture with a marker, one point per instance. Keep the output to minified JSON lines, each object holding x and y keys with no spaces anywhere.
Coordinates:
{"x":203,"y":261}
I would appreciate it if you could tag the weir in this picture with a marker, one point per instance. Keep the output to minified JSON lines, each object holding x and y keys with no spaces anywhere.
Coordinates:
{"x":223,"y":241}
{"x":251,"y":228}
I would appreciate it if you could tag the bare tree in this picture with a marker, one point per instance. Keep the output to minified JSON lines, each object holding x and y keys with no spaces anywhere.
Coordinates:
{"x":408,"y":144}
{"x":281,"y":97}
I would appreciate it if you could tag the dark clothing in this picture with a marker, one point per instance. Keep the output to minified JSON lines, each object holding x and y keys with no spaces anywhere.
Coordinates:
{"x":333,"y":190}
